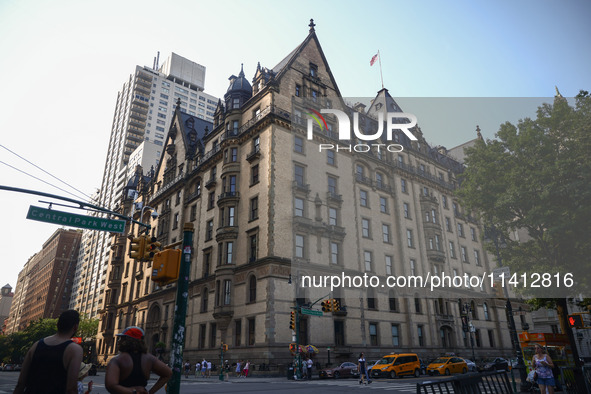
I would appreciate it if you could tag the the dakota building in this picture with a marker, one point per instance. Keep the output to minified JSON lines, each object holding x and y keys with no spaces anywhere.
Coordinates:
{"x":271,"y":206}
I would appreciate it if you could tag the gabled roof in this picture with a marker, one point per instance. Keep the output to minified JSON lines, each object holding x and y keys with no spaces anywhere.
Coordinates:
{"x":186,"y":128}
{"x":281,"y":68}
{"x":383,"y":103}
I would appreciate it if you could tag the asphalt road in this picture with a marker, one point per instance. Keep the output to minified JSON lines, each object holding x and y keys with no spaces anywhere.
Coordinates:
{"x":256,"y":385}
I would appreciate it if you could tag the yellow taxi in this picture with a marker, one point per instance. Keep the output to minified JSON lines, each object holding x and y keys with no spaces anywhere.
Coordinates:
{"x":447,"y":366}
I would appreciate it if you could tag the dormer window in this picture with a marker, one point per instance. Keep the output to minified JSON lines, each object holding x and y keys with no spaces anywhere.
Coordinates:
{"x":313,"y":70}
{"x":235,"y":103}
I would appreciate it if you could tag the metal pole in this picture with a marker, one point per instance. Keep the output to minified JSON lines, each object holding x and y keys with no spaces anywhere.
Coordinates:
{"x":298,"y":355}
{"x":510,"y":319}
{"x":180,"y":311}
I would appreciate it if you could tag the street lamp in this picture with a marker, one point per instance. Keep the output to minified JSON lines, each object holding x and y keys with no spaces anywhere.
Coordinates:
{"x":493,"y":235}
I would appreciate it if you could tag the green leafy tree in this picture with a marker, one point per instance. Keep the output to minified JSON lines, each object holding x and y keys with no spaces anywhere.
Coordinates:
{"x":535,"y":178}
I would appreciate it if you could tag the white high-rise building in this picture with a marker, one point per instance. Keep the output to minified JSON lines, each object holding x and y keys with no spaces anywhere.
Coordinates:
{"x":143,"y":112}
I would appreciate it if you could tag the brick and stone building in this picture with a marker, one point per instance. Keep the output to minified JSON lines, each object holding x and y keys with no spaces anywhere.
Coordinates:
{"x":271,"y":206}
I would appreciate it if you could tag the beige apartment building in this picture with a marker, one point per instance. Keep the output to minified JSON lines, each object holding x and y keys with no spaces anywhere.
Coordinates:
{"x":271,"y":207}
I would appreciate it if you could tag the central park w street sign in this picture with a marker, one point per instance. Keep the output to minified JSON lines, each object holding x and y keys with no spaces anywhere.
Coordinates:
{"x":73,"y":220}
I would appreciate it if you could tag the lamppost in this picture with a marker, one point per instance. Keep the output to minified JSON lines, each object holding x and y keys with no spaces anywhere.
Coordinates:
{"x":467,"y":326}
{"x":493,"y":235}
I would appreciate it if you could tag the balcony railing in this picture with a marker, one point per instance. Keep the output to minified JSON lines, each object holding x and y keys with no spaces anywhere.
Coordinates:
{"x":168,"y":185}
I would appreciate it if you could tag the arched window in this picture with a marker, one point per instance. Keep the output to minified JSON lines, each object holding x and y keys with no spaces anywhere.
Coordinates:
{"x":486,"y":314}
{"x":252,"y":289}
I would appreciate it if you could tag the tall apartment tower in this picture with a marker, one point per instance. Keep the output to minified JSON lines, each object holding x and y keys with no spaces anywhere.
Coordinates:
{"x":144,"y":108}
{"x":45,"y":283}
{"x":274,"y":201}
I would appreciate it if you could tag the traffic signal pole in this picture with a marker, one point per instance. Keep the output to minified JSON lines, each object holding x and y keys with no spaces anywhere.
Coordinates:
{"x":180,"y":311}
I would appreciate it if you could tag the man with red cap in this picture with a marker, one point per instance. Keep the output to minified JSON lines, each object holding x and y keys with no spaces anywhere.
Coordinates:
{"x":130,"y":370}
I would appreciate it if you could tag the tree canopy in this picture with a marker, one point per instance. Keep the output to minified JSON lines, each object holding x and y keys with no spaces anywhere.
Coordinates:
{"x":13,"y":347}
{"x":534,"y":179}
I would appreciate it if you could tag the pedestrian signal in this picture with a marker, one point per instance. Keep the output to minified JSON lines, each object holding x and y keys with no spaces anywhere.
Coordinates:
{"x":167,"y":264}
{"x":576,"y":321}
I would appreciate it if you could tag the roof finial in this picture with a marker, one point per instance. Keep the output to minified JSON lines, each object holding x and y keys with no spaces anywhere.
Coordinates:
{"x":241,"y":70}
{"x":312,"y":25}
{"x":478,"y":133}
{"x":557,"y":91}
{"x":178,"y":102}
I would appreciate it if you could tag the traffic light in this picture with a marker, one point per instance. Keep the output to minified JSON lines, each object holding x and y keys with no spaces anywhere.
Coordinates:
{"x":336,"y":305}
{"x":292,"y":323}
{"x":137,"y":248}
{"x":576,"y":321}
{"x":152,"y":247}
{"x":167,"y":264}
{"x":326,"y":306}
{"x":225,"y":347}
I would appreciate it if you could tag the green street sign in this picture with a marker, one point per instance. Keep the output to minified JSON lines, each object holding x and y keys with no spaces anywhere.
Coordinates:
{"x":73,"y":220}
{"x":311,"y":312}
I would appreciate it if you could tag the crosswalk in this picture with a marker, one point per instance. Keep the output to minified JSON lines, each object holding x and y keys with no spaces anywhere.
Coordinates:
{"x":382,"y":386}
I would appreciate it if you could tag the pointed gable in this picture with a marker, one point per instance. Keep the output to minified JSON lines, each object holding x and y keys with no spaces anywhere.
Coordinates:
{"x":304,"y":57}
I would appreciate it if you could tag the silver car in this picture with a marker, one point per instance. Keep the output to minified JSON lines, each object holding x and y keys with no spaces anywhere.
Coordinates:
{"x":471,"y":365}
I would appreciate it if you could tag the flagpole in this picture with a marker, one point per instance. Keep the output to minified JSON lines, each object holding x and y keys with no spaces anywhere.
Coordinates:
{"x":381,"y":76}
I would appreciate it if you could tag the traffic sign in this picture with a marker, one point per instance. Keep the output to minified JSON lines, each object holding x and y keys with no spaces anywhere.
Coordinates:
{"x":311,"y":312}
{"x":74,"y":220}
{"x":501,"y":272}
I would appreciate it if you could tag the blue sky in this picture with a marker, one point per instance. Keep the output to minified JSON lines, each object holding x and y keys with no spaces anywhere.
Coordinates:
{"x":63,"y":63}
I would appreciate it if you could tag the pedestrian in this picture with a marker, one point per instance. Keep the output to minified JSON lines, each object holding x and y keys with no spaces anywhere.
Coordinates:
{"x":133,"y":365}
{"x":203,"y":368}
{"x":543,"y":365}
{"x":209,"y":369}
{"x":84,"y":368}
{"x":246,"y":368}
{"x":197,"y":368}
{"x":52,"y":364}
{"x":309,"y":368}
{"x":187,"y":369}
{"x":361,"y":365}
{"x":227,"y":370}
{"x":238,"y":368}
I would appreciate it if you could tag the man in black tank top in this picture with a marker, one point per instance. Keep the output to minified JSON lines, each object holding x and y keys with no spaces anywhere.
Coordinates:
{"x":132,"y":367}
{"x":52,"y":364}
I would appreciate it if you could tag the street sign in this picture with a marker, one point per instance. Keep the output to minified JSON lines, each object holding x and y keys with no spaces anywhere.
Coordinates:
{"x":501,"y":272}
{"x":73,"y":220}
{"x":311,"y":312}
{"x":520,"y":313}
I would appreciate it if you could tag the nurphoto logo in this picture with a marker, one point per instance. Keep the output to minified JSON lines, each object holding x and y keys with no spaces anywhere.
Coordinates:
{"x":393,"y":120}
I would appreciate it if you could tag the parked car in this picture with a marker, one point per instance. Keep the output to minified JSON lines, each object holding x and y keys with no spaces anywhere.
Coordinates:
{"x":471,"y":365}
{"x":8,"y":367}
{"x":447,"y":366}
{"x":345,"y":370}
{"x":494,"y":364}
{"x":395,"y":365}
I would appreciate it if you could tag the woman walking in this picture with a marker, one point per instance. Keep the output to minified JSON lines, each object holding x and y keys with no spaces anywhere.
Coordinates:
{"x":543,"y":365}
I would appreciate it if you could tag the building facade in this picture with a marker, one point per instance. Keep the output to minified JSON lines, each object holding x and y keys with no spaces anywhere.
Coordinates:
{"x":273,"y":205}
{"x":6,"y":296}
{"x":45,"y":283}
{"x":142,"y":116}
